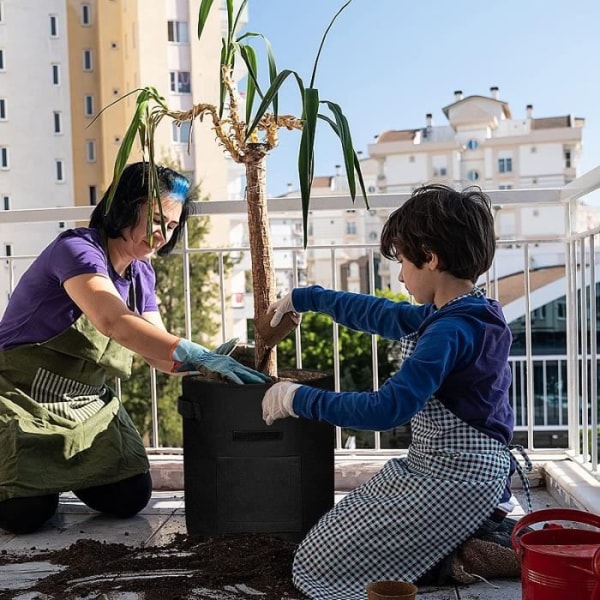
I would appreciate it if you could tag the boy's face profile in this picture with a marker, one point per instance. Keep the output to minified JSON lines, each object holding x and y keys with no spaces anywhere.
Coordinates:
{"x":418,"y":281}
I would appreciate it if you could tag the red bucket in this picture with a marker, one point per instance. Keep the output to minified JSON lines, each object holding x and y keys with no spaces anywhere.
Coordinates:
{"x":559,"y":562}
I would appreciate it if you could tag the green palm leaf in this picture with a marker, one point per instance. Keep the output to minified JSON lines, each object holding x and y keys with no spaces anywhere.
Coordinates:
{"x":306,"y":153}
{"x":355,"y":160}
{"x":270,"y":94}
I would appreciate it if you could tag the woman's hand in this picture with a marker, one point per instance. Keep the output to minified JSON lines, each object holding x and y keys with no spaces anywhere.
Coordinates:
{"x":188,"y":356}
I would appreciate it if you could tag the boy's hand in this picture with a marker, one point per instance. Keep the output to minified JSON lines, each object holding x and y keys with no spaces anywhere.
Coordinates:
{"x":278,"y":402}
{"x":280,"y":308}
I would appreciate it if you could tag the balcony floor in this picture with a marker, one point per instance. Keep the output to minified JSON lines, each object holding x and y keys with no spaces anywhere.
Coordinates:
{"x":156,"y":526}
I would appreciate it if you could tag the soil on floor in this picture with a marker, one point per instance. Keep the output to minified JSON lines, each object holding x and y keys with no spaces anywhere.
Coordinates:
{"x":260,"y":562}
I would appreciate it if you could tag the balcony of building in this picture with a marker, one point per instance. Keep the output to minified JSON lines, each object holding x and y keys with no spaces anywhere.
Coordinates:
{"x":548,"y":285}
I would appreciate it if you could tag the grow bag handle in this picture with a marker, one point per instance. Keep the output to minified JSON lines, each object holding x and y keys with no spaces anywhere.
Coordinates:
{"x":547,"y":514}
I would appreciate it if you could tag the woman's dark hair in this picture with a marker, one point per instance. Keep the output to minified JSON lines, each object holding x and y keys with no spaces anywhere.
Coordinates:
{"x":131,"y":193}
{"x":457,"y":226}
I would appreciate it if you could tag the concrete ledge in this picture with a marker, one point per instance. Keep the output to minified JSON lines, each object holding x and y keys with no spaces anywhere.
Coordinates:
{"x":167,"y":472}
{"x":572,"y":486}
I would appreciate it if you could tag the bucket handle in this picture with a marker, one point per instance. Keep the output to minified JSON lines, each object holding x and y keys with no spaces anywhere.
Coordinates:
{"x":549,"y":514}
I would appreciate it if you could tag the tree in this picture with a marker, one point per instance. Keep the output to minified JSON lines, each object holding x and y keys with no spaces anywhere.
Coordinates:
{"x":248,"y":140}
{"x":136,"y":391}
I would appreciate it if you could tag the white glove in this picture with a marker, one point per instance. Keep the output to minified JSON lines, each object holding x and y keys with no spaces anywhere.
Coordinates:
{"x":281,"y":307}
{"x":277,"y":402}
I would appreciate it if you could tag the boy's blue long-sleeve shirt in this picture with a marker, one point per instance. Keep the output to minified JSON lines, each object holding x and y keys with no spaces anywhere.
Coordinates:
{"x":461,"y":357}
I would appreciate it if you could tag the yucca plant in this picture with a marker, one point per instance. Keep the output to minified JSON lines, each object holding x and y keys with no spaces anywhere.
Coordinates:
{"x":248,"y":139}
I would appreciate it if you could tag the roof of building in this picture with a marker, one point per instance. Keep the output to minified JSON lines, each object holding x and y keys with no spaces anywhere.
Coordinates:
{"x":505,"y":105}
{"x":322,"y":181}
{"x":551,"y":122}
{"x":397,"y":135}
{"x":512,"y":287}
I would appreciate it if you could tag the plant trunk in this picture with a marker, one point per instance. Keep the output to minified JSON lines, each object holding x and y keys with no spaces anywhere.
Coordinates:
{"x":261,"y":250}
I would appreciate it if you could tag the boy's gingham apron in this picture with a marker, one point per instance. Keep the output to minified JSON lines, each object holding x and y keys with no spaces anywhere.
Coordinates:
{"x":61,"y":427}
{"x":411,"y":514}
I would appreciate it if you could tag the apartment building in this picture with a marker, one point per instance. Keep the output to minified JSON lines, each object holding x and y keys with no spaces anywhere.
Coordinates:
{"x":62,"y":62}
{"x":482,"y":144}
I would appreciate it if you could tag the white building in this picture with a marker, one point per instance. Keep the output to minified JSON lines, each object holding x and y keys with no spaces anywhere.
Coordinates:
{"x":481,"y":144}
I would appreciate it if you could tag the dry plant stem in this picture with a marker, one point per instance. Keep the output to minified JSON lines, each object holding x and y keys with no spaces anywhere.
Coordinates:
{"x":237,"y":125}
{"x":261,"y":253}
{"x":251,"y":150}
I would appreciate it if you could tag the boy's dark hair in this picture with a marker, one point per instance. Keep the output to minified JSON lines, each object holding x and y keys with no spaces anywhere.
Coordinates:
{"x":457,"y":226}
{"x":131,"y":193}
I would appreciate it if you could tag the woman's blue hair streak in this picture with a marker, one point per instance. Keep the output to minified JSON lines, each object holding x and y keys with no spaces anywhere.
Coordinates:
{"x":179,"y":188}
{"x":173,"y":183}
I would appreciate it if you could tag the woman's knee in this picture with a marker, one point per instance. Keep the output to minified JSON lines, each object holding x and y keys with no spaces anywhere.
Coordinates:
{"x":28,"y":514}
{"x":123,"y":499}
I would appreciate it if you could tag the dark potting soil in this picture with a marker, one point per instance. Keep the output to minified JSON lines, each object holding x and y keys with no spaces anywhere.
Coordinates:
{"x":260,"y":562}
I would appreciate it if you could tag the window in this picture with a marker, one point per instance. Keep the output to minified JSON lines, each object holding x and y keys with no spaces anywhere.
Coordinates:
{"x":181,"y":133}
{"x":180,"y":82}
{"x":87,"y":60}
{"x":505,"y":186}
{"x":56,"y":74}
{"x":1,"y":10}
{"x":411,"y":158}
{"x":351,"y":227}
{"x":88,"y":106}
{"x":6,"y":202}
{"x":7,"y":249}
{"x":177,"y":31}
{"x":93,"y":195}
{"x":561,"y":309}
{"x":440,"y":171}
{"x":472,"y":144}
{"x":568,"y":162}
{"x":533,"y":149}
{"x":2,"y":109}
{"x":473,"y":175}
{"x":86,"y":15}
{"x":57,"y":116}
{"x":3,"y":157}
{"x":505,"y":165}
{"x":1,"y":60}
{"x":60,"y":176}
{"x":53,"y":26}
{"x":90,"y":150}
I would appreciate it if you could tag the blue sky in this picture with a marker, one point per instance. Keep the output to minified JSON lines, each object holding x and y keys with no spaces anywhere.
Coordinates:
{"x":389,"y":62}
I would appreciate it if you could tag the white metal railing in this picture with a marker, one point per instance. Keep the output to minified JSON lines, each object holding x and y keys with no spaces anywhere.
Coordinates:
{"x":570,"y":406}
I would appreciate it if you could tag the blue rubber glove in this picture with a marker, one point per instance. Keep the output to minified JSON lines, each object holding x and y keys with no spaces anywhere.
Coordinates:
{"x":226,"y":348}
{"x":186,"y":354}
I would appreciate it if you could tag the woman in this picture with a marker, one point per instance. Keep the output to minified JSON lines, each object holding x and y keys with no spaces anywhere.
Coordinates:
{"x":75,"y":318}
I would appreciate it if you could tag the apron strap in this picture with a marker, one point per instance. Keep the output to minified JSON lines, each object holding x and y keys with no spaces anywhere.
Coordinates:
{"x":521,"y":471}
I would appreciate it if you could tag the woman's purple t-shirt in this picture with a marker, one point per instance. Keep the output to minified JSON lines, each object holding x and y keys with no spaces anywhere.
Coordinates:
{"x":39,"y":307}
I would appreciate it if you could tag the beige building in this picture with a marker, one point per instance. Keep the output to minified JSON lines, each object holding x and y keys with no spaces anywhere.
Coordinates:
{"x":62,"y":62}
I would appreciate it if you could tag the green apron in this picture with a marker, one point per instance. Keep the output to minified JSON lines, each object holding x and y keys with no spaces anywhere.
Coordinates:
{"x":61,"y":427}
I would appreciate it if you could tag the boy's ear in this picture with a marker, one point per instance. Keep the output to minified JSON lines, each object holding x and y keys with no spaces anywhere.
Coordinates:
{"x":433,"y":262}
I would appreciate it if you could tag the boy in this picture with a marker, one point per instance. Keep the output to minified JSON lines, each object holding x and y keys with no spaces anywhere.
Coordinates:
{"x":452,"y":386}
